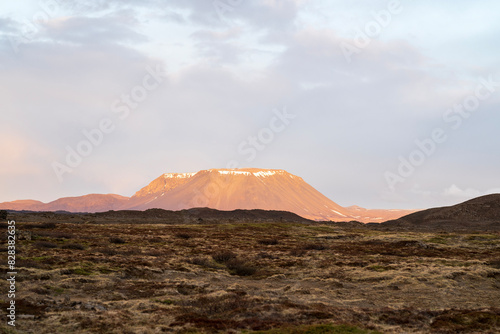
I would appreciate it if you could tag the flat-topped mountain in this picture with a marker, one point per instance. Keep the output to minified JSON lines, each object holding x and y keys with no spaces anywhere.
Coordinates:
{"x":226,"y":189}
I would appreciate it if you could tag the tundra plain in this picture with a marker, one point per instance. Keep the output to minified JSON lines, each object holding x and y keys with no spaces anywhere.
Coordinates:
{"x":99,"y":274}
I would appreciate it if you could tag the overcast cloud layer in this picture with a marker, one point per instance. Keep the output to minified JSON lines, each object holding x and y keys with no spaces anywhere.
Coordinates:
{"x":372,"y":121}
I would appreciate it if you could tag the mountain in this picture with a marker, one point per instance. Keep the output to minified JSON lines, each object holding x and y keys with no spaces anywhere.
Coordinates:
{"x":250,"y":188}
{"x":221,"y":189}
{"x":225,"y":189}
{"x":481,"y":212}
{"x":376,"y":215}
{"x":27,"y":204}
{"x":87,"y":203}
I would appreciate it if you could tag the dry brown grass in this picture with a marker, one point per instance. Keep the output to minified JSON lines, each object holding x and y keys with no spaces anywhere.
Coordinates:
{"x":234,"y":277}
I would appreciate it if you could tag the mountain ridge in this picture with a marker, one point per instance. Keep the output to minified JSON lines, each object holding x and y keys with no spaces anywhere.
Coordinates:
{"x":221,"y":189}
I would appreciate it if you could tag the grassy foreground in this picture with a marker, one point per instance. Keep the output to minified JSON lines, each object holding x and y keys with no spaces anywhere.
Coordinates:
{"x":252,"y":277}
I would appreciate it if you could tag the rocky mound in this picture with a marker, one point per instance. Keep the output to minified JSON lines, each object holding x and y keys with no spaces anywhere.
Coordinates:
{"x":160,"y":216}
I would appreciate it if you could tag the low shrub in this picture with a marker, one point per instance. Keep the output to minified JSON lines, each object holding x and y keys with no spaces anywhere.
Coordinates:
{"x":494,"y":264}
{"x":315,"y":246}
{"x":319,"y":329}
{"x":202,"y":262}
{"x":223,"y":256}
{"x":44,"y":225}
{"x":240,"y":267}
{"x":81,"y":271}
{"x":154,"y":252}
{"x":156,"y":240}
{"x":54,"y":234}
{"x":73,"y":246}
{"x":132,"y":251}
{"x":107,"y":251}
{"x":220,"y":305}
{"x":45,"y":244}
{"x":461,"y":321}
{"x":165,"y":301}
{"x":116,"y":240}
{"x":298,"y":252}
{"x":183,"y":235}
{"x":264,"y":255}
{"x":268,"y":242}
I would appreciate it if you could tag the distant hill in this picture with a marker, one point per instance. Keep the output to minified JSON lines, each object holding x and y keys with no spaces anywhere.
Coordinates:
{"x":481,"y":213}
{"x":160,"y":216}
{"x":86,"y":203}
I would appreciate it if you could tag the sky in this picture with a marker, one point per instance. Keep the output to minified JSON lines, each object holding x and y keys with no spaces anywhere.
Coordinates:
{"x":381,"y":104}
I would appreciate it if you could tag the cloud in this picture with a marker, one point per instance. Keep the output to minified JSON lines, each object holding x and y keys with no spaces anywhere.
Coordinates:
{"x":217,"y":36}
{"x":170,"y":16}
{"x":7,"y":25}
{"x":257,"y":14}
{"x":455,"y":191}
{"x":94,"y":30}
{"x":218,"y":47}
{"x":24,"y":154}
{"x":53,"y":91}
{"x":226,"y":76}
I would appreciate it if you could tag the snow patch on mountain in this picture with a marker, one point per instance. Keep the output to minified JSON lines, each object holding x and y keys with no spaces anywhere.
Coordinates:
{"x":233,"y":172}
{"x":178,"y":175}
